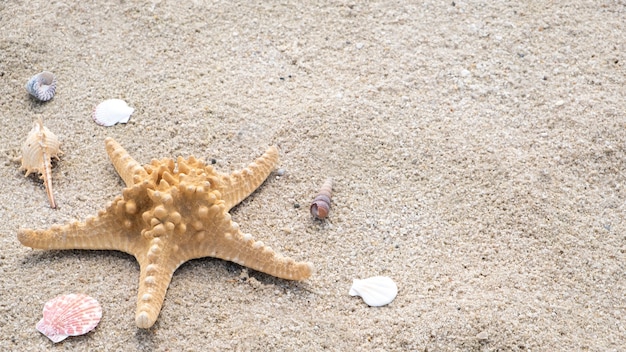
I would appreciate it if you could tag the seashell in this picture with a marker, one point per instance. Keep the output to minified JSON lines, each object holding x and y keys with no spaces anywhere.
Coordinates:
{"x":40,"y":147}
{"x":69,"y":315}
{"x":321,"y":204}
{"x":112,"y":111}
{"x":42,"y":86}
{"x":483,"y":335}
{"x":376,"y":291}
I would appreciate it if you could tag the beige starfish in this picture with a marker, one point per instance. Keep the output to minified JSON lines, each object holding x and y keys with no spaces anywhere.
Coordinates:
{"x":168,"y":215}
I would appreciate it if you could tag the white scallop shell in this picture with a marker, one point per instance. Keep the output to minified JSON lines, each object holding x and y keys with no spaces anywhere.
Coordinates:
{"x":112,"y":111}
{"x":69,"y":315}
{"x":42,"y":86}
{"x":376,"y":291}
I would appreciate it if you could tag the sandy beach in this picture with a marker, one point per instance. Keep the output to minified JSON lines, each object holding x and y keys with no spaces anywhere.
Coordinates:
{"x":478,"y":151}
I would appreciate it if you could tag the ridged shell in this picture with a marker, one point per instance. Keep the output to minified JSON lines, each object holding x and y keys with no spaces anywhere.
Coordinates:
{"x":42,"y":86}
{"x":112,"y":111}
{"x":376,"y":291}
{"x":321,"y":204}
{"x":69,"y":315}
{"x":38,"y":149}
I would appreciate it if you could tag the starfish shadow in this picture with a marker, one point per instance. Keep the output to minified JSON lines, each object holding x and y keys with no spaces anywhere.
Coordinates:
{"x":35,"y":258}
{"x":233,"y":272}
{"x":145,"y":339}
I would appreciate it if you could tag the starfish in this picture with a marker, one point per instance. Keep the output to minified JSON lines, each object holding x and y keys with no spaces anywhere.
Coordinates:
{"x":170,"y":213}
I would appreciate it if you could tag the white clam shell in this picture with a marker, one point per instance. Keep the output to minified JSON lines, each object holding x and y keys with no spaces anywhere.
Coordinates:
{"x":42,"y":86}
{"x":376,"y":291}
{"x":112,"y":111}
{"x":69,"y":315}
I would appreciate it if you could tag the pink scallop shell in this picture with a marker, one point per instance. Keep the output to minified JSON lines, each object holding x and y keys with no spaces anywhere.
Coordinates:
{"x":112,"y":111}
{"x":69,"y":315}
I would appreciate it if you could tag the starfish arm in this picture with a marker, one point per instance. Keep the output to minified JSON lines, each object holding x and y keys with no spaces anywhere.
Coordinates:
{"x":240,"y":184}
{"x":100,"y":233}
{"x":221,"y":238}
{"x":156,"y":273}
{"x":128,"y":168}
{"x":244,"y":250}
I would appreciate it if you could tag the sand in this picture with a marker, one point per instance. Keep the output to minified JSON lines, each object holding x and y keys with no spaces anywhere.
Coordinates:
{"x":478,"y":151}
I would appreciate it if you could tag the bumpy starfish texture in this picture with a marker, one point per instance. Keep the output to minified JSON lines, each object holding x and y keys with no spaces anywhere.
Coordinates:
{"x":170,"y":213}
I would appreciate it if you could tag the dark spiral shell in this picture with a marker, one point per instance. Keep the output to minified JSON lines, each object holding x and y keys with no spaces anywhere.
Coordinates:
{"x":42,"y":86}
{"x":321,"y":204}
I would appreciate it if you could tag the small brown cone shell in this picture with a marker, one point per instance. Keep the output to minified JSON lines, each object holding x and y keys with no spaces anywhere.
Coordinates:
{"x":321,"y":204}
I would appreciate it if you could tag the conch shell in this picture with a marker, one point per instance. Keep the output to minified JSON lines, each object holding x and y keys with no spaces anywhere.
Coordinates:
{"x":40,"y":147}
